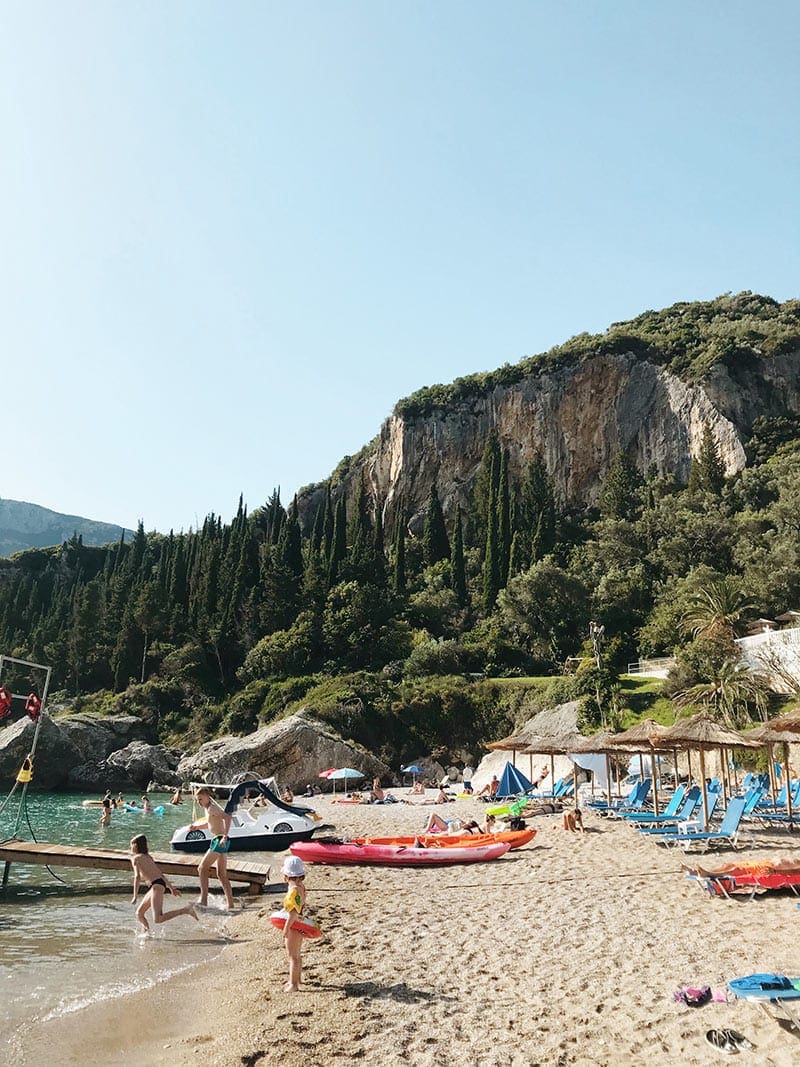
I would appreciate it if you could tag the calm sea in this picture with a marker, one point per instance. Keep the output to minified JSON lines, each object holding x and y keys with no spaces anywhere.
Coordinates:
{"x":68,"y":939}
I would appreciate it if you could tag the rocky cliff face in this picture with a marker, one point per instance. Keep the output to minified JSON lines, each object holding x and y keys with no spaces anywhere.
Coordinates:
{"x":578,"y":418}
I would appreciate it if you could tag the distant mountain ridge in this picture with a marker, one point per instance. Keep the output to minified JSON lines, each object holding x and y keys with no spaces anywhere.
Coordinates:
{"x":24,"y":525}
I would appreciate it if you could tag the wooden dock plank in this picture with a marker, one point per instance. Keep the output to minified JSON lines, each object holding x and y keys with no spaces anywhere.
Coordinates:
{"x":56,"y":855}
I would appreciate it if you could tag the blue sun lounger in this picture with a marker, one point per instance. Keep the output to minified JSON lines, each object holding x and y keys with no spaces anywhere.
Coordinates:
{"x":727,"y":834}
{"x":692,"y":810}
{"x":776,"y":813}
{"x":634,"y":802}
{"x":770,"y":990}
{"x":644,"y":818}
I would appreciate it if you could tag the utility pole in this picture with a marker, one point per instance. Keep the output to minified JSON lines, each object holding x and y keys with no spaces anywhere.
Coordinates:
{"x":596,"y":635}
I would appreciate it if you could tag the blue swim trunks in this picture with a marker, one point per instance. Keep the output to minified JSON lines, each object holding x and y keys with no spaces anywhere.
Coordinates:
{"x":219,"y":845}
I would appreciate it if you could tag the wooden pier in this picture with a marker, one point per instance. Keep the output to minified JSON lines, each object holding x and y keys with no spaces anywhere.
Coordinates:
{"x":256,"y":875}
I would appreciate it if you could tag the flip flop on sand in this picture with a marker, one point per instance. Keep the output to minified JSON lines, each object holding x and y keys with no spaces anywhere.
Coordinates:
{"x":738,"y":1039}
{"x":718,"y":1039}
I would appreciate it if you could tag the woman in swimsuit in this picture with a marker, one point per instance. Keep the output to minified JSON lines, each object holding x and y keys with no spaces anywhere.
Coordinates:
{"x":145,"y":870}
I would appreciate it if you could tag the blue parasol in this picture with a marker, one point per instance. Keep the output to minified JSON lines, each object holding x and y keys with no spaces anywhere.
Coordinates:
{"x":412,"y":768}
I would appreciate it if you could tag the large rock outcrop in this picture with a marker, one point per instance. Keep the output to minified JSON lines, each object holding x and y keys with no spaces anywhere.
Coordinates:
{"x":293,"y":750}
{"x":133,"y":767}
{"x":83,"y":752}
{"x":578,"y":418}
{"x":96,"y":738}
{"x":55,"y":754}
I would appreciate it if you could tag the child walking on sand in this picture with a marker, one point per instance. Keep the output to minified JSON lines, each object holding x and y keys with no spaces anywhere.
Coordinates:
{"x":294,"y":874}
{"x":145,"y":870}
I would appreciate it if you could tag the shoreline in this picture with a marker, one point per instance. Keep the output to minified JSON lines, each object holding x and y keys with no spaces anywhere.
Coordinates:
{"x":564,"y":952}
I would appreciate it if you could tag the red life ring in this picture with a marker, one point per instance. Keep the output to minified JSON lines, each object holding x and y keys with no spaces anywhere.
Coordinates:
{"x":33,"y":706}
{"x":303,"y":926}
{"x":5,"y":702}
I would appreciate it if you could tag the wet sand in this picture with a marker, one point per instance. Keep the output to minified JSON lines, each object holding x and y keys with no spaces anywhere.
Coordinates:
{"x":564,"y":952}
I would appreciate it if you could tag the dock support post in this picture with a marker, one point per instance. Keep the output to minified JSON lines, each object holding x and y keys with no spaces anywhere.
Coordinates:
{"x":6,"y":869}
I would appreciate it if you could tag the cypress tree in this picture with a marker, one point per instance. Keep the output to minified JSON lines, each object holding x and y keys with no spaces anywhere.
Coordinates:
{"x":491,"y":567}
{"x":435,"y":543}
{"x":457,"y":562}
{"x":503,"y":520}
{"x":327,"y":529}
{"x":338,"y":542}
{"x":707,"y":472}
{"x":491,"y":561}
{"x":620,"y":496}
{"x":486,"y":482}
{"x":399,"y":573}
{"x":516,"y":560}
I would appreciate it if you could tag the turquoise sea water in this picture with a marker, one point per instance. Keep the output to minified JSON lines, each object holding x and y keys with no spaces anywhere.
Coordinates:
{"x":68,"y":939}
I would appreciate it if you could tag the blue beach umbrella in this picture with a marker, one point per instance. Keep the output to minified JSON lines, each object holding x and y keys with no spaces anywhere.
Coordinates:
{"x":412,"y":768}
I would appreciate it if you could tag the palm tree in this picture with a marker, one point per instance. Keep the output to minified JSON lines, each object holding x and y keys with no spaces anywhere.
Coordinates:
{"x":729,"y":695}
{"x":716,"y":611}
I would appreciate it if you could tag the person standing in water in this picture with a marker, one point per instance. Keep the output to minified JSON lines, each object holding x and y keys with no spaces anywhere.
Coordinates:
{"x":105,"y":818}
{"x":145,"y":870}
{"x":219,"y":824}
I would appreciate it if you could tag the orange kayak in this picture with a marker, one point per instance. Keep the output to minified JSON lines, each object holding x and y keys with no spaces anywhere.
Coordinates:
{"x":512,"y":838}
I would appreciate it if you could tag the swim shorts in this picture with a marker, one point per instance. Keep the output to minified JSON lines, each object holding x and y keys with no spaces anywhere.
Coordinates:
{"x":217,"y":845}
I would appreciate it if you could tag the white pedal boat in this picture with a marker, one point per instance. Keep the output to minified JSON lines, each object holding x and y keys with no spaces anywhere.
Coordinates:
{"x":268,"y":828}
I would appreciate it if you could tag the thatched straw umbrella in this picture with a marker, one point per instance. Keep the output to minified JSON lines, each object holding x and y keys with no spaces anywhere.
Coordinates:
{"x":704,"y":733}
{"x":515,"y":743}
{"x":782,"y":730}
{"x":650,"y":734}
{"x":557,"y":746}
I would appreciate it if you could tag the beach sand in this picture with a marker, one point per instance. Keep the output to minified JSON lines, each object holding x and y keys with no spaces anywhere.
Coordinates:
{"x":565,"y":952}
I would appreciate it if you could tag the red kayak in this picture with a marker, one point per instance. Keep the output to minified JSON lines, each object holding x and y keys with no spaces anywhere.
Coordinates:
{"x":354,"y":854}
{"x":512,"y":838}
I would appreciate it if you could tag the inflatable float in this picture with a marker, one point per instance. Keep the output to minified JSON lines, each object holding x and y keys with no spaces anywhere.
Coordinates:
{"x":512,"y":838}
{"x":155,"y":811}
{"x":305,"y":926}
{"x":352,"y":853}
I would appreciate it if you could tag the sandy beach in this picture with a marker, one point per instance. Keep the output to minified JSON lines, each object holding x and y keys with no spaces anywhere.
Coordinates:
{"x":565,"y":952}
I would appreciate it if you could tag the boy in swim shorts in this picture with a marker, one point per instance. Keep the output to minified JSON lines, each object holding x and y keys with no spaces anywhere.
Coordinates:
{"x":145,"y":870}
{"x":219,"y":824}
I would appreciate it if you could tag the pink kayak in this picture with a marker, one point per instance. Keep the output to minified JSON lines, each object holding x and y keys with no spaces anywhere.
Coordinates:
{"x":394,"y":855}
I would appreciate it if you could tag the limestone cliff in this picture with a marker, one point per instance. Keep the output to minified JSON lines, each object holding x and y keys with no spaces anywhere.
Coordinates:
{"x":578,"y":413}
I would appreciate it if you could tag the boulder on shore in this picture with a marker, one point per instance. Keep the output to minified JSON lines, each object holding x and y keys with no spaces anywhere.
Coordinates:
{"x":133,"y":767}
{"x":293,"y":750}
{"x":97,"y":738}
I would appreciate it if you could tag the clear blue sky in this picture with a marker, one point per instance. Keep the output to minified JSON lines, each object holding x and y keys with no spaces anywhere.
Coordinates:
{"x":234,"y":235}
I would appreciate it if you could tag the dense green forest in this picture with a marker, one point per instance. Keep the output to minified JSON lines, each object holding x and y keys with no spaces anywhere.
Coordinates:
{"x":398,"y":640}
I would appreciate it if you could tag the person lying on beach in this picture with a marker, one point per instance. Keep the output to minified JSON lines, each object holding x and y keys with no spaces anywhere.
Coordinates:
{"x":219,"y":824}
{"x":146,"y":870}
{"x":417,"y":789}
{"x":573,"y":820}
